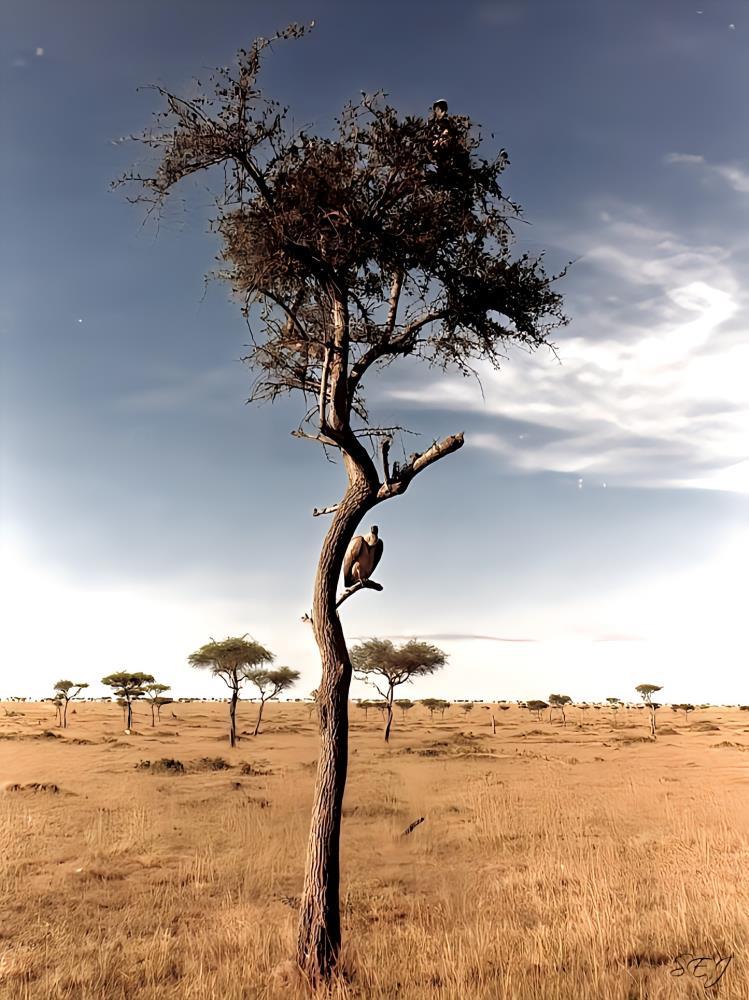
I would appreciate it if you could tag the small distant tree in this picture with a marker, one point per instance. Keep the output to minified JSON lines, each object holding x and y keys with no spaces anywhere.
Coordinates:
{"x":162,"y":703}
{"x":583,"y":706}
{"x":504,"y":708}
{"x":559,"y":701}
{"x":684,"y":707}
{"x":65,"y":692}
{"x":385,"y":666}
{"x":405,"y":705}
{"x":615,"y":704}
{"x":467,"y":708}
{"x":231,"y":659}
{"x":443,"y":707}
{"x":431,"y":705}
{"x":536,"y":706}
{"x":365,"y":704}
{"x":128,"y":687}
{"x":646,"y":692}
{"x":153,"y":693}
{"x":270,"y":683}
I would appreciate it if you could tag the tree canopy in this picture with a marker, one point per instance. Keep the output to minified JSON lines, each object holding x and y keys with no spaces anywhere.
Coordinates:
{"x":230,"y":659}
{"x":270,"y":683}
{"x":397,"y":225}
{"x":395,"y":664}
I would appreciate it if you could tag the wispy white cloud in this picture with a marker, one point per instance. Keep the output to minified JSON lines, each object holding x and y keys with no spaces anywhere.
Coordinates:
{"x":651,"y":388}
{"x":734,"y":175}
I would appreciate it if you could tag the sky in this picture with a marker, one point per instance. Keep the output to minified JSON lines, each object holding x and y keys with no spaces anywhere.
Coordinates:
{"x":593,"y":533}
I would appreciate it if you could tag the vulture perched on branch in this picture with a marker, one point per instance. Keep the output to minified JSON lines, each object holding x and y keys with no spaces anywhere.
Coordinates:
{"x":362,"y":556}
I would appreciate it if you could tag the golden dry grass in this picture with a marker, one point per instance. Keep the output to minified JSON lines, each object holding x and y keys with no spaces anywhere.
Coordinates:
{"x":554,"y":863}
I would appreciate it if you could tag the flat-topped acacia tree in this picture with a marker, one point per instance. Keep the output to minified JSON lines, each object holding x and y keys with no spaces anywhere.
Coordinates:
{"x":388,"y":237}
{"x":270,"y":683}
{"x":386,"y":666}
{"x":232,"y":659}
{"x":65,"y":692}
{"x":646,"y":692}
{"x":127,"y":688}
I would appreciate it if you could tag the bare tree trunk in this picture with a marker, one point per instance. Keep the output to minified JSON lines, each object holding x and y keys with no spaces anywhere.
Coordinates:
{"x":153,"y":717}
{"x":65,"y":716}
{"x":389,"y":722}
{"x":233,"y":718}
{"x":259,"y":717}
{"x":494,"y":725}
{"x":319,"y":935}
{"x":129,"y":716}
{"x":652,"y":722}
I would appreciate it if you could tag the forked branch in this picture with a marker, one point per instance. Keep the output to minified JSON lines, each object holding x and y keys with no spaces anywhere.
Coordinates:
{"x":417,"y":463}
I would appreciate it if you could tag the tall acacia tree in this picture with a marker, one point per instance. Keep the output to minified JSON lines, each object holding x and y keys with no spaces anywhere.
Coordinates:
{"x":386,"y":666}
{"x":646,"y":692}
{"x":233,"y":660}
{"x":389,"y":237}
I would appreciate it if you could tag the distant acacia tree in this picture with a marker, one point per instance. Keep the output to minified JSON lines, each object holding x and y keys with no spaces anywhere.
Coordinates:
{"x":583,"y":706}
{"x":536,"y":706}
{"x":385,"y":666}
{"x":65,"y":692}
{"x":615,"y":704}
{"x":154,"y":695}
{"x":432,"y":705}
{"x":646,"y":692}
{"x":391,"y":238}
{"x":467,"y":707}
{"x":365,"y":704}
{"x":128,"y":687}
{"x":270,"y":683}
{"x":684,"y":707}
{"x":559,"y":701}
{"x":231,"y":659}
{"x":405,"y":705}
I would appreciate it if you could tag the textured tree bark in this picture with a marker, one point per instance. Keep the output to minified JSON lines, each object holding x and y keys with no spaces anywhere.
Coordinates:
{"x":319,"y":936}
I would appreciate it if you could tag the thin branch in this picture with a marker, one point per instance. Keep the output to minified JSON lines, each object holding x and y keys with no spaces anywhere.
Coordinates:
{"x":322,"y":405}
{"x":322,"y":438}
{"x":398,"y":345}
{"x":384,"y":452}
{"x":395,"y":294}
{"x":359,"y":585}
{"x":318,"y":511}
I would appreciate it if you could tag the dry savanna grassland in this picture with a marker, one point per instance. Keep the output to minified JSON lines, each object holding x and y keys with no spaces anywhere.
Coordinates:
{"x":553,"y":862}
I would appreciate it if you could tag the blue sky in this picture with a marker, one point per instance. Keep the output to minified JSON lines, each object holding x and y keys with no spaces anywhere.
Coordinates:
{"x":599,"y":508}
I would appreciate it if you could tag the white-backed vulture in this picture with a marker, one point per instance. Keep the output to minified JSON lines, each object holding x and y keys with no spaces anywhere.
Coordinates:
{"x":362,"y":556}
